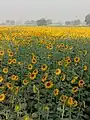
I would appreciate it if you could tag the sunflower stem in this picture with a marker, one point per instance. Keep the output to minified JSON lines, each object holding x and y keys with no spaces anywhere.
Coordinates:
{"x":70,"y":113}
{"x":38,"y":101}
{"x":63,"y":111}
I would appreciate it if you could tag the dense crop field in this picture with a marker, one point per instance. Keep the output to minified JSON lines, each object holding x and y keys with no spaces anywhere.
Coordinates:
{"x":44,"y":73}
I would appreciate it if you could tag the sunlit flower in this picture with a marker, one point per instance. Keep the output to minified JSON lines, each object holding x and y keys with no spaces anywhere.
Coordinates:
{"x":1,"y":53}
{"x":1,"y":78}
{"x":81,"y":83}
{"x":2,"y":97}
{"x":10,"y":61}
{"x":75,"y":103}
{"x":76,"y":59}
{"x":25,"y":82}
{"x":5,"y":70}
{"x":56,"y":92}
{"x":70,"y":101}
{"x":32,"y":76}
{"x":9,"y":85}
{"x":63,"y":98}
{"x":35,"y":71}
{"x":48,"y":84}
{"x":10,"y":54}
{"x":14,"y":60}
{"x":74,"y":89}
{"x":85,"y":68}
{"x":34,"y":61}
{"x":45,"y":76}
{"x":58,"y":71}
{"x":30,"y":66}
{"x":44,"y":67}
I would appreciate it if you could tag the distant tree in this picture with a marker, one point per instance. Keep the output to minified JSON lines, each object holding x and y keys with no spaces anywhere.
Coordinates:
{"x":27,"y":22}
{"x":76,"y":22}
{"x":68,"y":23}
{"x":7,"y":22}
{"x":87,"y":19}
{"x":49,"y":22}
{"x":41,"y":22}
{"x":12,"y":22}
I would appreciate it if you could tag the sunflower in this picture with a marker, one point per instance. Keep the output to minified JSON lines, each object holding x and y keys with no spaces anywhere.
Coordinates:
{"x":8,"y":50}
{"x":1,"y":78}
{"x":10,"y":54}
{"x":5,"y":70}
{"x":9,"y":85}
{"x":35,"y":71}
{"x":73,"y":81}
{"x":50,"y":46}
{"x":70,"y":47}
{"x":2,"y":97}
{"x":48,"y":84}
{"x":30,"y":66}
{"x":49,"y":56}
{"x":32,"y":76}
{"x":45,"y":76}
{"x":56,"y":92}
{"x":75,"y":103}
{"x":16,"y":89}
{"x":85,"y":68}
{"x":14,"y":77}
{"x":63,"y":98}
{"x":60,"y":63}
{"x":14,"y":60}
{"x":66,"y":47}
{"x":25,"y":82}
{"x":44,"y":67}
{"x":1,"y":53}
{"x":62,"y":45}
{"x":74,"y":89}
{"x":63,"y":76}
{"x":34,"y":57}
{"x":77,"y":59}
{"x":20,"y":63}
{"x":67,"y":58}
{"x":70,"y":101}
{"x":34,"y":61}
{"x":81,"y":83}
{"x":68,"y":61}
{"x":58,"y":71}
{"x":10,"y":61}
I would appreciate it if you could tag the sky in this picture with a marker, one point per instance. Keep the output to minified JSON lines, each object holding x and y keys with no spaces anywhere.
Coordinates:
{"x":57,"y":10}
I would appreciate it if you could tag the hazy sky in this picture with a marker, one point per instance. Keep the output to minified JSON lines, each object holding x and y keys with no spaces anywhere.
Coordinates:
{"x":57,"y":10}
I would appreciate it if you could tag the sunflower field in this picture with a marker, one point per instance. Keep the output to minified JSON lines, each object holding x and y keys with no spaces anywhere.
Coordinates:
{"x":44,"y":73}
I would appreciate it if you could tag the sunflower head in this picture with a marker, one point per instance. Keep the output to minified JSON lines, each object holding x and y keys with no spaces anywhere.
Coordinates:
{"x":5,"y":70}
{"x":44,"y":67}
{"x":1,"y":78}
{"x":48,"y":84}
{"x":58,"y":71}
{"x":2,"y":97}
{"x":56,"y":92}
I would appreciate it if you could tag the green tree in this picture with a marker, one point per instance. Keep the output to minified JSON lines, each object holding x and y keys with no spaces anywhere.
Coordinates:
{"x":87,"y":19}
{"x":41,"y":22}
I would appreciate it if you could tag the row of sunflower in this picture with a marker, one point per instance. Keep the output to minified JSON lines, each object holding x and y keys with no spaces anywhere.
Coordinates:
{"x":43,"y":79}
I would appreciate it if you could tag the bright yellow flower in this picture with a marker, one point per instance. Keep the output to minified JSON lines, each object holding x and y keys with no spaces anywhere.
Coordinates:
{"x":1,"y":78}
{"x":5,"y":70}
{"x":2,"y":97}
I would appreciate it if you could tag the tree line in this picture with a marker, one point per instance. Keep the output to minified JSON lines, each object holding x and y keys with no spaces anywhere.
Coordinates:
{"x":45,"y":22}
